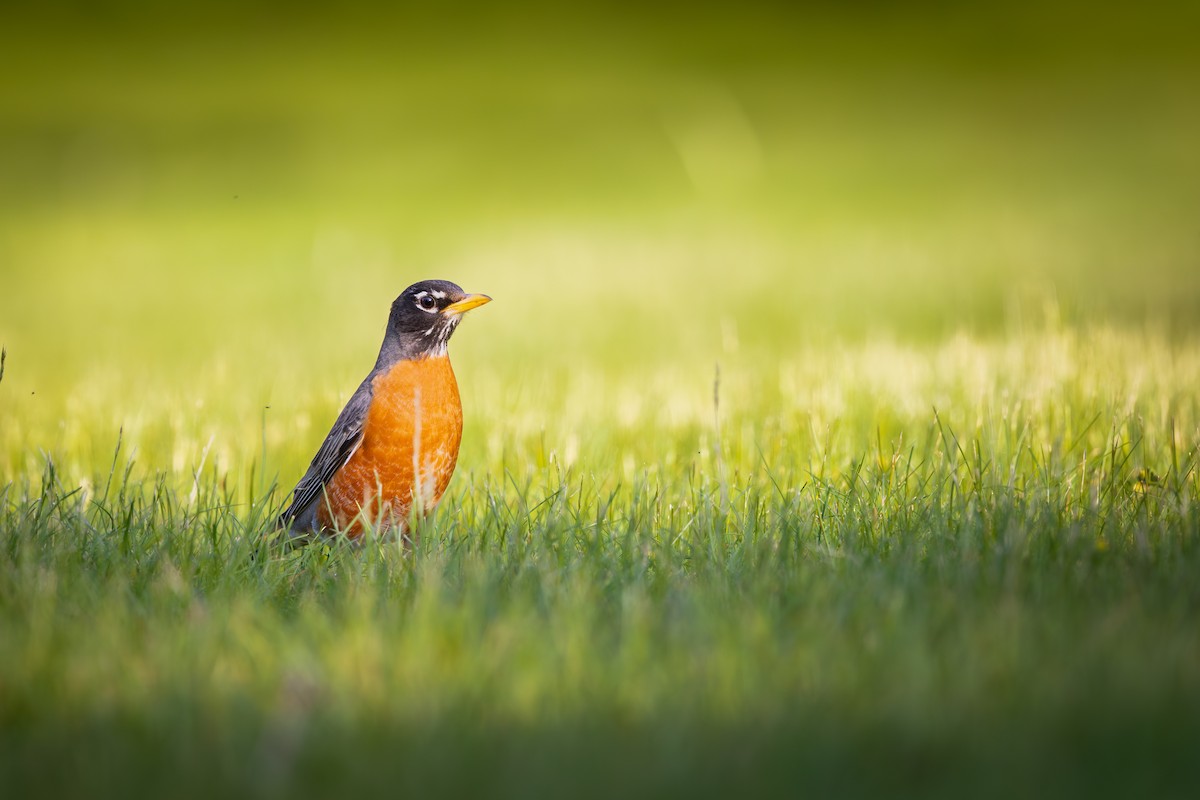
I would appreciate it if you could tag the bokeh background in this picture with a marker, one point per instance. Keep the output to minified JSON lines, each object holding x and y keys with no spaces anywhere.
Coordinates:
{"x":205,"y":209}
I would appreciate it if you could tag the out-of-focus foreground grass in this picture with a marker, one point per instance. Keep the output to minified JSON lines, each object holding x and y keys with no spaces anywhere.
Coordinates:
{"x":943,"y":521}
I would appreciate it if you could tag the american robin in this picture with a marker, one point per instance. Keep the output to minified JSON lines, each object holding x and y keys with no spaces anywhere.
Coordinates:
{"x":395,"y":444}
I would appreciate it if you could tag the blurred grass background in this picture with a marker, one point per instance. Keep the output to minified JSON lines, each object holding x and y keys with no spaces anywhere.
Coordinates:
{"x":220,"y":200}
{"x":197,"y":179}
{"x":862,"y":213}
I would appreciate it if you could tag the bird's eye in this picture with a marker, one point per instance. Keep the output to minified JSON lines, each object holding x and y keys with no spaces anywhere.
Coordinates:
{"x":426,"y":302}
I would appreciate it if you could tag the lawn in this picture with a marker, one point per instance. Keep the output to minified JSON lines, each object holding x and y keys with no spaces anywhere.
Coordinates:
{"x":835,"y":428}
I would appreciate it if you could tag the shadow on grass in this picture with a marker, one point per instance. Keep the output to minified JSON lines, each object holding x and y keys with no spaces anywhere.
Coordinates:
{"x":814,"y":751}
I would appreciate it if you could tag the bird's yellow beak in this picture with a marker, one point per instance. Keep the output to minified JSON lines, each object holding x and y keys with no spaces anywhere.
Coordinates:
{"x":466,"y":304}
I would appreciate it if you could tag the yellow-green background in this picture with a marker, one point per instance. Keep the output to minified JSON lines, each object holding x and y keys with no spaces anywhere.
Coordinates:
{"x":213,"y":205}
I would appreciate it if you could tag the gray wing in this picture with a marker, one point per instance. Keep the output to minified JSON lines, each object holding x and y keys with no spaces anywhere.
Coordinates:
{"x":344,"y":438}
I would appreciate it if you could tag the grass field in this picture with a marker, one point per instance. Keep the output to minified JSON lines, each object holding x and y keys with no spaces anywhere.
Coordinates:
{"x":835,"y":429}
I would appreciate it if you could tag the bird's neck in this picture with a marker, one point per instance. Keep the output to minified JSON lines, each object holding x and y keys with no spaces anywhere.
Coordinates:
{"x":406,"y":348}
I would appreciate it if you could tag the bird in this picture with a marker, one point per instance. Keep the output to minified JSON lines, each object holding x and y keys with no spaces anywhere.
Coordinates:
{"x":393,"y":448}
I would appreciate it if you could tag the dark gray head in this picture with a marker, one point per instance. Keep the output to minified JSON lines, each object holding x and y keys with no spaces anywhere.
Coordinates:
{"x":424,"y":317}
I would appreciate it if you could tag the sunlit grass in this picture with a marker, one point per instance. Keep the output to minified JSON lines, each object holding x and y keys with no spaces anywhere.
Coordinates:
{"x":974,"y":548}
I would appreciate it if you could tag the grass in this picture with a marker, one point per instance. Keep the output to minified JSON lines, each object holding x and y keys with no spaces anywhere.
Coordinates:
{"x":835,"y":428}
{"x":999,"y":593}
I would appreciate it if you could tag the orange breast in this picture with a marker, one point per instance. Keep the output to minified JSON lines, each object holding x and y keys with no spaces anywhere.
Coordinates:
{"x":408,"y":451}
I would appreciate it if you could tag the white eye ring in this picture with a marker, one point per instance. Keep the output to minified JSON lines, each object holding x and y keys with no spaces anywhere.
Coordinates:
{"x":425,"y":302}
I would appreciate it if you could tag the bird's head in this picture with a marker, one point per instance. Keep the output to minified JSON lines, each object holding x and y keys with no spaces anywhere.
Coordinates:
{"x":425,"y":315}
